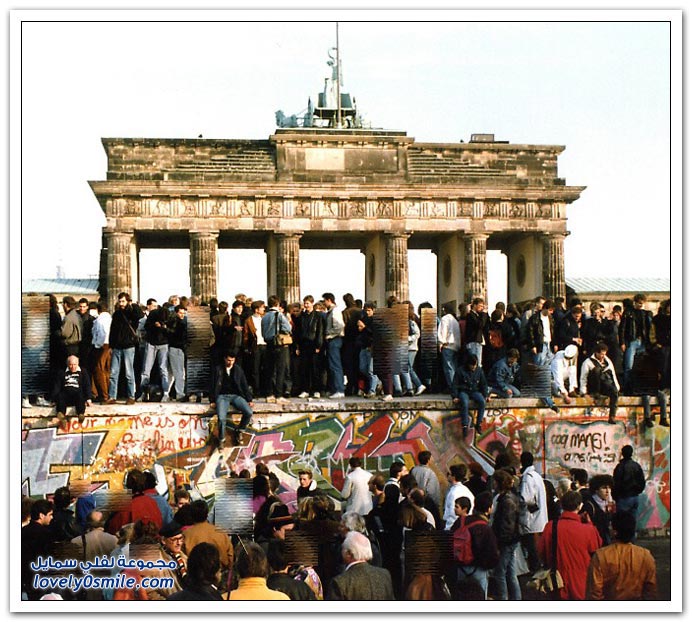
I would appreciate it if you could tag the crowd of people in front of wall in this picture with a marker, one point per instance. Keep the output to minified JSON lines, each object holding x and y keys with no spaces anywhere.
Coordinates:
{"x":508,"y":528}
{"x":278,"y":351}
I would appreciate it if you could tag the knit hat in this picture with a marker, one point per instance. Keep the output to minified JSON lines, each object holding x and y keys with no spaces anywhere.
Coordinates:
{"x":571,"y":351}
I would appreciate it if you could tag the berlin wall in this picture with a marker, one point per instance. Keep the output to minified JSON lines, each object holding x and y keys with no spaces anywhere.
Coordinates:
{"x":172,"y":440}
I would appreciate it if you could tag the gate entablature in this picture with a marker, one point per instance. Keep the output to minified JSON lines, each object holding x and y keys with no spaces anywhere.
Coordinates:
{"x":380,"y":183}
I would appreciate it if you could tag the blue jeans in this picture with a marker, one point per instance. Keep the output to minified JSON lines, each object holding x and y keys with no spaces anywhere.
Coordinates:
{"x":176,"y":361}
{"x":414,"y":376}
{"x":503,"y":392}
{"x":633,"y":347}
{"x":464,"y":406}
{"x":449,"y":365}
{"x":408,"y":378}
{"x":223,"y":404}
{"x":476,"y":349}
{"x":506,"y":574}
{"x":335,"y":370}
{"x":543,"y":356}
{"x":128,"y":356}
{"x":397,"y":380}
{"x":365,"y":365}
{"x":160,"y":355}
{"x":480,"y":575}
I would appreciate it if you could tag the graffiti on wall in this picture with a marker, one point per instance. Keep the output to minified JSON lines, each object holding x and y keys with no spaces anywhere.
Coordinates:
{"x":103,"y":448}
{"x":592,"y":446}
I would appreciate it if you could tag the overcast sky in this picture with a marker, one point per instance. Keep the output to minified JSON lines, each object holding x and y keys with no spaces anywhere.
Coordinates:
{"x":602,"y":89}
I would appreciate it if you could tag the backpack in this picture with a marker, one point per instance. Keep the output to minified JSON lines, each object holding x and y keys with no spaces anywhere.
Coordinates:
{"x":463,"y":551}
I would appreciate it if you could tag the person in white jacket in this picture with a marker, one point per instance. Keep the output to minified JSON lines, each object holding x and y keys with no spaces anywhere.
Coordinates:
{"x":534,"y":509}
{"x":456,"y":476}
{"x":563,"y":368}
{"x":426,"y":477}
{"x":355,"y":491}
{"x":449,"y":342}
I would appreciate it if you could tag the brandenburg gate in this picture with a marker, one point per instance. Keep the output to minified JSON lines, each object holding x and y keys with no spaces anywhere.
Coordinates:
{"x":379,"y":191}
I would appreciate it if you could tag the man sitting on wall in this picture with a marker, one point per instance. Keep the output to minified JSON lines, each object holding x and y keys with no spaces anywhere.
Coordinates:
{"x":73,"y":388}
{"x":598,"y":378}
{"x":230,"y":388}
{"x":563,"y":369}
{"x":503,"y":375}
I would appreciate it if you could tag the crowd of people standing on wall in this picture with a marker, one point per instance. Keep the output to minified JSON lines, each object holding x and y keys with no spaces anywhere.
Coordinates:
{"x":324,"y":349}
{"x":508,"y":527}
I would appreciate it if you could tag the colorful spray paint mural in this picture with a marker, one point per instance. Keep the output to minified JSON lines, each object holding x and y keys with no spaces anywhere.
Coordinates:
{"x":98,"y":453}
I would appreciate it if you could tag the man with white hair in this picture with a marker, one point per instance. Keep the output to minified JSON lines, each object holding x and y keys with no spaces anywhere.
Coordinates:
{"x":72,"y":388}
{"x":96,"y":541}
{"x":563,"y":369}
{"x":360,"y":580}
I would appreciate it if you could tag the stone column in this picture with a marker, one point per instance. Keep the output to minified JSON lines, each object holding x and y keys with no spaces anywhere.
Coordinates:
{"x":203,"y":247}
{"x":288,"y":266}
{"x":119,"y":265}
{"x":554,"y":265}
{"x":475,"y":268}
{"x":396,"y":266}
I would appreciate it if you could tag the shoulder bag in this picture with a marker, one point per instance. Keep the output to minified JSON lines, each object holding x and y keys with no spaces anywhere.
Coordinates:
{"x":549,"y":581}
{"x":281,"y":339}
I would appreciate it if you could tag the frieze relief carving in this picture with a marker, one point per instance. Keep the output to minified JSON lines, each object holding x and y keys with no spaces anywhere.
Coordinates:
{"x":218,"y":208}
{"x":492,"y":209}
{"x":329,"y":209}
{"x":355,"y":209}
{"x":464,"y":208}
{"x":246,"y":207}
{"x":384,"y":209}
{"x":302,"y":208}
{"x":412,"y":208}
{"x":518,"y":210}
{"x":274,"y":208}
{"x":437,"y":208}
{"x":160,"y":208}
{"x":131,"y":208}
{"x":543,"y":210}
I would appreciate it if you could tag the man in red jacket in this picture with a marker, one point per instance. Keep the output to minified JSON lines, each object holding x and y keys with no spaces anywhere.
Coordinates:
{"x":140,"y":507}
{"x":576,"y":543}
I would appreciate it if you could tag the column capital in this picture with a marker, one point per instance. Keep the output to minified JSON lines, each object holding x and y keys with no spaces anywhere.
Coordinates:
{"x":289,"y":234}
{"x":118,"y":232}
{"x":204,"y":234}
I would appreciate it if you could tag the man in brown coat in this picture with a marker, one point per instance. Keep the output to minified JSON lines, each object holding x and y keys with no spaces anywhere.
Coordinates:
{"x":622,"y":570}
{"x":203,"y":531}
